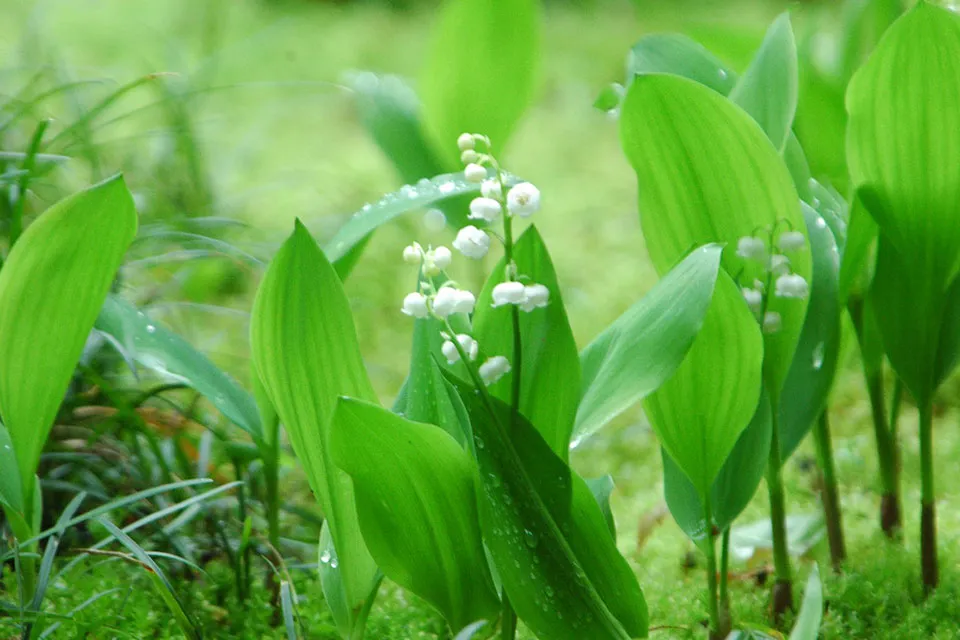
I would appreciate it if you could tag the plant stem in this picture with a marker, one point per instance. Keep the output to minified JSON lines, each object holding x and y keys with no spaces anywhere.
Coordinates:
{"x":782,"y":595}
{"x":829,"y":494}
{"x":726,"y":618}
{"x":886,"y":456}
{"x":928,"y":513}
{"x":508,"y":626}
{"x":271,"y":476}
{"x":711,"y":553}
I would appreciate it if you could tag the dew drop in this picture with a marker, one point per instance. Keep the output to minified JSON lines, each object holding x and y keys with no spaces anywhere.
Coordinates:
{"x":818,"y":356}
{"x":447,"y":188}
{"x":530,"y":538}
{"x":333,"y":563}
{"x":325,"y":557}
{"x":151,"y":328}
{"x":821,"y":223}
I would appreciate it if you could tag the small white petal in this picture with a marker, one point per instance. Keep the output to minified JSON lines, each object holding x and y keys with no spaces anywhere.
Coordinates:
{"x":466,"y":141}
{"x":779,"y":265}
{"x":469,"y":156}
{"x":434,"y":220}
{"x":523,"y":200}
{"x":791,"y":241}
{"x":441,"y":257}
{"x":791,"y":286}
{"x":509,"y":293}
{"x":535,"y":296}
{"x":412,"y":254}
{"x":771,"y":322}
{"x":751,"y":248}
{"x":415,"y":305}
{"x":469,"y":345}
{"x":491,"y":189}
{"x":472,"y":242}
{"x":474,"y":173}
{"x":494,"y":369}
{"x":450,"y":352}
{"x":485,"y":209}
{"x":754,"y":299}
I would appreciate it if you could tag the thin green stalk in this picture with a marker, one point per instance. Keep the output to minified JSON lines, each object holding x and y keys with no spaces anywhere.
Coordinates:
{"x":829,"y":493}
{"x":711,"y":553}
{"x":726,"y":617}
{"x":782,"y":596}
{"x":29,"y":161}
{"x":890,"y":520}
{"x":928,"y":513}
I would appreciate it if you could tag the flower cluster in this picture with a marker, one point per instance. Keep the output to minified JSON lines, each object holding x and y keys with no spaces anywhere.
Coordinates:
{"x":775,"y":268}
{"x":495,"y":204}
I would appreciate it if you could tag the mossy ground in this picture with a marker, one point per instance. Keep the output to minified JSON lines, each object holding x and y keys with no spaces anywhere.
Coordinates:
{"x":288,"y":145}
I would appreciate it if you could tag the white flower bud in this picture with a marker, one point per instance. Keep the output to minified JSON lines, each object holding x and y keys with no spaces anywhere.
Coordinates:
{"x":434,"y":220}
{"x":484,"y":209}
{"x":474,"y":173}
{"x":469,"y":156}
{"x":472,"y":242}
{"x":441,"y":257}
{"x":466,"y":142}
{"x":791,"y":241}
{"x":468,"y":344}
{"x":494,"y":369}
{"x":415,"y":305}
{"x":535,"y":296}
{"x":412,"y":254}
{"x":523,"y":200}
{"x":492,"y":189}
{"x":750,"y":248}
{"x":754,"y":299}
{"x":779,"y":265}
{"x":791,"y":286}
{"x":509,"y":293}
{"x":771,"y":322}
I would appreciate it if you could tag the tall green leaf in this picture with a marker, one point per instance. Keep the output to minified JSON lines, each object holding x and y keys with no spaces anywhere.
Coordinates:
{"x":807,"y":626}
{"x":550,"y":366}
{"x":679,"y":55}
{"x":11,"y":494}
{"x":51,"y":290}
{"x":166,"y":353}
{"x":645,"y":345}
{"x":699,"y":413}
{"x":546,"y":533}
{"x":903,"y":148}
{"x":708,"y":173}
{"x":415,"y":497}
{"x":768,"y":89}
{"x":305,"y":350}
{"x":808,"y":383}
{"x":481,"y":69}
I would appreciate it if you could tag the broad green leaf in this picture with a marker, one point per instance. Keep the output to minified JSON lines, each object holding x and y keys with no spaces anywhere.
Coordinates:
{"x":768,"y":88}
{"x":948,"y":352}
{"x":305,"y":349}
{"x":11,"y":495}
{"x":865,"y":22}
{"x":810,"y":379}
{"x":548,"y":537}
{"x":481,"y":70}
{"x":734,"y":486}
{"x":426,"y":192}
{"x":52,"y":286}
{"x":903,"y":148}
{"x":679,"y":55}
{"x":550,"y":366}
{"x":807,"y":626}
{"x":414,"y":488}
{"x":601,"y":488}
{"x":708,"y":173}
{"x":855,"y":267}
{"x":172,"y":357}
{"x":645,"y":345}
{"x":699,"y":413}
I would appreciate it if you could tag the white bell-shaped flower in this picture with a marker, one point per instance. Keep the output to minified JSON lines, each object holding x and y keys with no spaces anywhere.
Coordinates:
{"x":492,"y":189}
{"x":523,"y":200}
{"x":466,"y":142}
{"x":791,"y":286}
{"x":494,"y":369}
{"x":467,"y":343}
{"x":475,"y":173}
{"x":413,"y":254}
{"x":450,"y":300}
{"x":472,"y":242}
{"x":791,"y":241}
{"x":779,"y":265}
{"x":750,"y":248}
{"x":469,"y":156}
{"x":509,"y":293}
{"x":436,"y":260}
{"x":535,"y":296}
{"x":754,"y":299}
{"x":771,"y":322}
{"x":415,"y":305}
{"x":484,"y":209}
{"x":465,"y":302}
